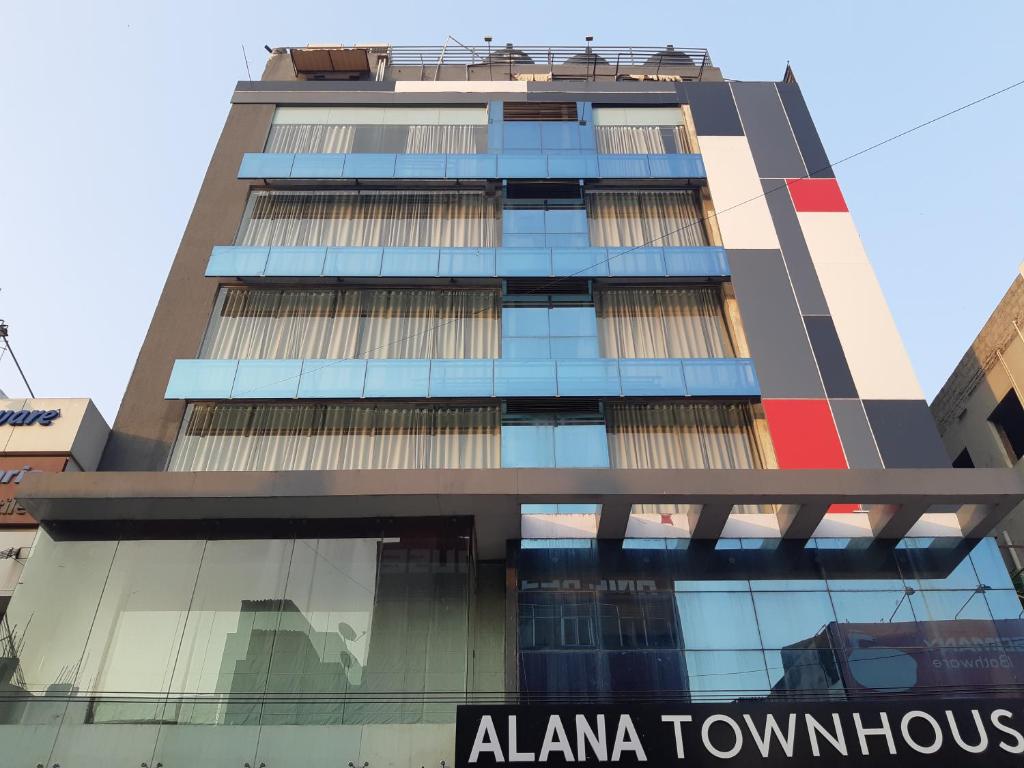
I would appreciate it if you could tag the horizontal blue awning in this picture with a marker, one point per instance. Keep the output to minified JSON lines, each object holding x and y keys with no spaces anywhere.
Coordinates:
{"x":270,"y":165}
{"x":354,"y":379}
{"x":246,"y":261}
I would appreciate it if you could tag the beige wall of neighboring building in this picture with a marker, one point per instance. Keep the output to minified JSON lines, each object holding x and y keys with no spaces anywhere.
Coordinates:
{"x":992,"y":367}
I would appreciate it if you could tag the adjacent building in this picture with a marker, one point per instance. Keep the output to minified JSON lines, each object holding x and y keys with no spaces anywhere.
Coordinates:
{"x":979,"y":411}
{"x":514,"y":382}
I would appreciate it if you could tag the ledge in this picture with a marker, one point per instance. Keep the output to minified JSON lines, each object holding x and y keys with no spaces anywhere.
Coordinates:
{"x":895,"y":499}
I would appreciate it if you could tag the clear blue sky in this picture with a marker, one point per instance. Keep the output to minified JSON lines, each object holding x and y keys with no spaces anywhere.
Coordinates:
{"x":112,"y":109}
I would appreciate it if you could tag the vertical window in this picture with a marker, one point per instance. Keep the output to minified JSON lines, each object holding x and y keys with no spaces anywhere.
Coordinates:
{"x":660,"y":219}
{"x":1008,"y":420}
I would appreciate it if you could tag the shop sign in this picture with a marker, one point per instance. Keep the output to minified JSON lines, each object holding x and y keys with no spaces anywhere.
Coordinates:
{"x":895,"y":732}
{"x":13,"y":470}
{"x":25,"y":418}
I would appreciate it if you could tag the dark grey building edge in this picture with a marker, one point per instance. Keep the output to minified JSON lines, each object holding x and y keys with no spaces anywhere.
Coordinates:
{"x":815,"y":158}
{"x":906,"y":433}
{"x":794,"y":248}
{"x":835,"y":372}
{"x":714,"y":111}
{"x":775,"y":152}
{"x":855,"y":434}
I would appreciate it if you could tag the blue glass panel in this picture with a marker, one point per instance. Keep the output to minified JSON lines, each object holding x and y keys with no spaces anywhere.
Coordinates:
{"x":200,"y":379}
{"x":716,"y":671}
{"x":717,"y":620}
{"x":652,"y":378}
{"x":521,"y":135}
{"x":1004,"y":604}
{"x":466,"y":261}
{"x":570,"y":220}
{"x":581,"y":445}
{"x":573,"y":166}
{"x":495,"y":115}
{"x":574,"y":347}
{"x":588,"y":378}
{"x":523,"y":262}
{"x":676,"y":166}
{"x":420,"y":166}
{"x":875,"y":607}
{"x":332,"y":378}
{"x":231,"y":260}
{"x":296,"y":262}
{"x":524,"y":321}
{"x":524,"y":378}
{"x":318,"y":166}
{"x":989,"y":565}
{"x":709,"y":261}
{"x":410,"y":261}
{"x":397,"y":378}
{"x":522,"y":221}
{"x":561,"y":240}
{"x":472,"y":167}
{"x":264,"y":165}
{"x":734,"y":377}
{"x":522,"y":166}
{"x":935,"y":605}
{"x":370,"y":166}
{"x":572,"y":321}
{"x":789,"y":617}
{"x":560,"y":135}
{"x":525,"y":349}
{"x":525,"y":240}
{"x":623,"y":166}
{"x":461,"y":378}
{"x":527,"y":446}
{"x":267,"y":379}
{"x":581,"y":262}
{"x":559,"y":509}
{"x":588,"y":138}
{"x":352,"y":261}
{"x":636,"y":261}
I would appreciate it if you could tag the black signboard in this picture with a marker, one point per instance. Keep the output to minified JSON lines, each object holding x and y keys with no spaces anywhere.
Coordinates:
{"x":906,"y":733}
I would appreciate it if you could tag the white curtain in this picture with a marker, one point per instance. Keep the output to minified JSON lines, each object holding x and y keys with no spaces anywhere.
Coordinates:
{"x":258,"y":324}
{"x":317,"y":436}
{"x":642,"y":139}
{"x":379,"y":218}
{"x":662,"y":322}
{"x":310,"y":138}
{"x":443,"y":139}
{"x":658,"y":219}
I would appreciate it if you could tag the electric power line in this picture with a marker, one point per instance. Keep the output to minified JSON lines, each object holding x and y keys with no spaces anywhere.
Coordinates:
{"x":542,"y":288}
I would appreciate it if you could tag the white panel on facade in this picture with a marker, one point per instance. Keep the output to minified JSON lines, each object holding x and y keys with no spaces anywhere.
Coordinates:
{"x":460,"y":86}
{"x":80,"y":430}
{"x":874,"y":350}
{"x":301,"y":115}
{"x":733,"y":180}
{"x":427,"y":115}
{"x":638,"y":116}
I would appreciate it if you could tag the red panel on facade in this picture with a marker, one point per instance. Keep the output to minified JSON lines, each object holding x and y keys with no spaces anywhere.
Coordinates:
{"x":805,"y":437}
{"x":816,"y":195}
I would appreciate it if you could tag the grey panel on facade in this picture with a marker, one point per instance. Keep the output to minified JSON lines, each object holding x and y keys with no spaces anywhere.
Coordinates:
{"x":775,"y":330}
{"x":603,"y":88}
{"x":315,"y":85}
{"x":906,"y":434}
{"x":835,"y":372}
{"x":794,"y":248}
{"x":806,"y":134}
{"x":855,"y":434}
{"x":776,"y":154}
{"x":714,"y":112}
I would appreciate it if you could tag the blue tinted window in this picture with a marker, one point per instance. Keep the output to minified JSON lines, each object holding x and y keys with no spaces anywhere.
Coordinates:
{"x":524,"y":321}
{"x":524,"y":378}
{"x":332,"y":378}
{"x":538,"y":240}
{"x":560,"y":135}
{"x":1004,"y":604}
{"x":872,"y":607}
{"x":527,"y":446}
{"x":229,"y":261}
{"x":297,"y":262}
{"x":461,"y":378}
{"x":370,"y":166}
{"x":786,"y":618}
{"x":522,"y":221}
{"x":466,"y":261}
{"x":410,"y":261}
{"x":522,"y":166}
{"x":720,"y":377}
{"x":572,"y":166}
{"x":623,"y":166}
{"x":267,"y":378}
{"x":989,"y":565}
{"x":527,"y":348}
{"x":588,"y":378}
{"x":353,"y":261}
{"x":717,"y":671}
{"x":566,"y":240}
{"x":420,"y":166}
{"x":574,"y":347}
{"x":472,"y":167}
{"x":639,"y":261}
{"x":198,"y":379}
{"x":696,"y":261}
{"x":573,"y":321}
{"x":520,"y":262}
{"x":581,"y":445}
{"x":651,"y":378}
{"x":717,"y":620}
{"x":676,"y":166}
{"x":260,"y":165}
{"x":322,"y":166}
{"x":580,"y":262}
{"x":521,"y":135}
{"x":397,"y":378}
{"x":566,"y":220}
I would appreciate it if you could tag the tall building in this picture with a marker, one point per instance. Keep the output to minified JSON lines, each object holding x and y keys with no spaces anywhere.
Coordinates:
{"x":516,"y":382}
{"x":979,"y":411}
